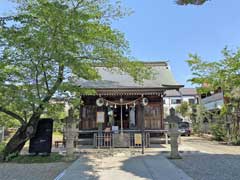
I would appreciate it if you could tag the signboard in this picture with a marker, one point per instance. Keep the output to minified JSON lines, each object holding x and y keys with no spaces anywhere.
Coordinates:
{"x":138,"y":139}
{"x":115,"y":129}
{"x":100,"y":117}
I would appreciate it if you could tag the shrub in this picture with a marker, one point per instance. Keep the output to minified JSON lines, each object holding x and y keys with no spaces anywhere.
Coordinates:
{"x":2,"y":145}
{"x":218,"y":131}
{"x":196,"y":128}
{"x":236,"y":142}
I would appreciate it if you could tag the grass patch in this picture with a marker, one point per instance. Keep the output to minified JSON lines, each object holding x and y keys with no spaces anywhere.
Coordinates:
{"x":53,"y":157}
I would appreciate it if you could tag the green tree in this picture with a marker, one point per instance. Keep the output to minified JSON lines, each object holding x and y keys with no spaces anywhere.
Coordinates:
{"x":47,"y":42}
{"x":224,"y":74}
{"x":183,"y":109}
{"x":8,"y":121}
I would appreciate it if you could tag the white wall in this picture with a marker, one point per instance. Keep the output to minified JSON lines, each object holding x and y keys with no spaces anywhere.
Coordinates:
{"x":169,"y":105}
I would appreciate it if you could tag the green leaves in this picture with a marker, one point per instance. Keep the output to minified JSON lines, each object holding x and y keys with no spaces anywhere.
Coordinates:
{"x":52,"y":40}
{"x":183,"y":108}
{"x":212,"y":75}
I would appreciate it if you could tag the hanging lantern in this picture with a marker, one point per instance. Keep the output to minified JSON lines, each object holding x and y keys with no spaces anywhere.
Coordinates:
{"x":106,"y":103}
{"x":126,"y":106}
{"x":115,"y":106}
{"x":134,"y":104}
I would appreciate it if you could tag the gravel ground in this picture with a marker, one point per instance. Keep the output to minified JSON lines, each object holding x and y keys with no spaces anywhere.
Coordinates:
{"x":12,"y":171}
{"x":210,"y":167}
{"x":214,"y":161}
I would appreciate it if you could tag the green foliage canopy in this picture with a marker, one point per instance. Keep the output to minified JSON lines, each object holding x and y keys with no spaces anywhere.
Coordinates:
{"x":224,"y":74}
{"x":214,"y":74}
{"x":183,"y":109}
{"x":48,"y":41}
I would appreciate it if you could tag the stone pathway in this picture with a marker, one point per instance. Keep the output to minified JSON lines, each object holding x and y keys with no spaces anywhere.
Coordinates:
{"x":121,"y":166}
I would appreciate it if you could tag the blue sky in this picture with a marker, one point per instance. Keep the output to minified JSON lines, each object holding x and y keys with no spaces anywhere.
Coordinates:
{"x":161,"y":30}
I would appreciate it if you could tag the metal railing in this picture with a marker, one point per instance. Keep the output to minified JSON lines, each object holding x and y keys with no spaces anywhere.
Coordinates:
{"x":103,"y":140}
{"x":130,"y":140}
{"x":133,"y":138}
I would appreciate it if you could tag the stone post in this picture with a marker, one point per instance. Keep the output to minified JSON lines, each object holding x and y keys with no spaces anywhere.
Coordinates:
{"x":173,"y":121}
{"x":1,"y":134}
{"x":70,"y":132}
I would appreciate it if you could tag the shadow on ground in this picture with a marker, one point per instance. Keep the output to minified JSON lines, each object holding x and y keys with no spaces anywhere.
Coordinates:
{"x":153,"y":167}
{"x":199,"y":166}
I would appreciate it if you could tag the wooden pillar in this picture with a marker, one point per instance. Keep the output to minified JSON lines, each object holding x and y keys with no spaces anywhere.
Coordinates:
{"x":143,"y":129}
{"x":161,"y":112}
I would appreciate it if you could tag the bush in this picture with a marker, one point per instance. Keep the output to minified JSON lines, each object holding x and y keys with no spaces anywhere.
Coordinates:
{"x":236,"y":142}
{"x":196,"y":128}
{"x":2,"y":145}
{"x":218,"y":131}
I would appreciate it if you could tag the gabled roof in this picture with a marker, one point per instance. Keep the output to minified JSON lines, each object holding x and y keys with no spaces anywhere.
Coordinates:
{"x":188,"y":91}
{"x":163,"y":79}
{"x":181,"y":92}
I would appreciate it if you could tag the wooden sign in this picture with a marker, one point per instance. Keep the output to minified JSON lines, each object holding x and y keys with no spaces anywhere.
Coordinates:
{"x":100,"y":117}
{"x":138,"y":139}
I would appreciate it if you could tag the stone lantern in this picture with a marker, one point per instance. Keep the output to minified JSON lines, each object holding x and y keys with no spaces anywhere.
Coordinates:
{"x":173,"y":121}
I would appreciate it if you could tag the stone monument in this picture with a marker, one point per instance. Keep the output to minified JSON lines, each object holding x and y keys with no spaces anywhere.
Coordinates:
{"x":173,"y":121}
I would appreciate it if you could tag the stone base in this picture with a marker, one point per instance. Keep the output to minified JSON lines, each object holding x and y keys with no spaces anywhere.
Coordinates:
{"x":174,"y":157}
{"x":121,"y":140}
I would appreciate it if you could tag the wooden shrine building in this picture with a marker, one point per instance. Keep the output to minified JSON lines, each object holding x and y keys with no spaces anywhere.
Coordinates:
{"x":123,"y":105}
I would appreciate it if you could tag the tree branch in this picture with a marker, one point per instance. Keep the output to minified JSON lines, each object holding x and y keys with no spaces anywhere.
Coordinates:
{"x":36,"y":79}
{"x":49,"y":95}
{"x":12,"y":114}
{"x":45,"y":77}
{"x":56,"y":84}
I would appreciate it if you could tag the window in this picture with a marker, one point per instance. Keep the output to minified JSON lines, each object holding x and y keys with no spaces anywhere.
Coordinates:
{"x":191,"y":101}
{"x":164,"y":101}
{"x":176,"y":101}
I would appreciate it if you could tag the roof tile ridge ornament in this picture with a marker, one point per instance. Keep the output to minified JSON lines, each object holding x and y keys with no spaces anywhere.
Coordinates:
{"x":149,"y":63}
{"x":156,"y":63}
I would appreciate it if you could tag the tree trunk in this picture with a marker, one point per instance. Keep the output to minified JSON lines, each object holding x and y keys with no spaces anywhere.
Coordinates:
{"x":23,"y":134}
{"x":27,"y":131}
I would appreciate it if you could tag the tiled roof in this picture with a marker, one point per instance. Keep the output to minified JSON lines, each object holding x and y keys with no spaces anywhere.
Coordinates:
{"x":181,"y":92}
{"x":188,"y":91}
{"x":213,"y":98}
{"x":113,"y":79}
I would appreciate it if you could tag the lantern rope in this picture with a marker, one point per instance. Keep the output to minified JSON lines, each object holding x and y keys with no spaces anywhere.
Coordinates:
{"x":121,"y":104}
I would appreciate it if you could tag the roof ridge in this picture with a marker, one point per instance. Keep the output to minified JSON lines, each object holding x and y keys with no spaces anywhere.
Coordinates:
{"x":155,"y":63}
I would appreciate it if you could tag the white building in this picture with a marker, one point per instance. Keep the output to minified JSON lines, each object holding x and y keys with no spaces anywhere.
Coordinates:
{"x":174,"y":98}
{"x":214,"y":101}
